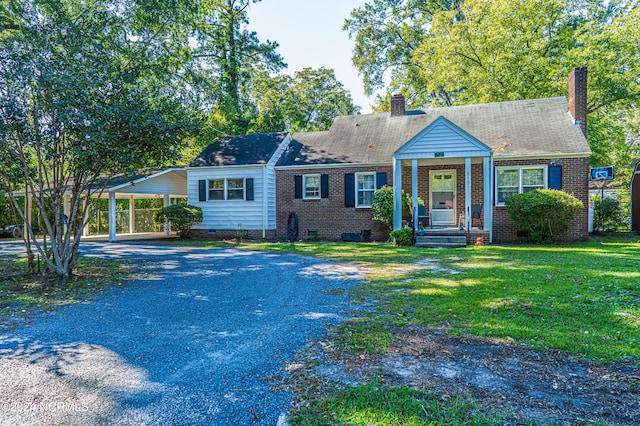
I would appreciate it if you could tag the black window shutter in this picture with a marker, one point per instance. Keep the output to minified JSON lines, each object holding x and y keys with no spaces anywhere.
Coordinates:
{"x":249,"y":188}
{"x":349,"y":190}
{"x":324,"y":186}
{"x":381,"y":180}
{"x":555,"y":177}
{"x":298,"y":186}
{"x":202,"y":190}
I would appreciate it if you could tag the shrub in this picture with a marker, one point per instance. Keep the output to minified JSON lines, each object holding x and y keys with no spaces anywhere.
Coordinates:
{"x":181,"y":217}
{"x":545,"y":213}
{"x":608,"y":213}
{"x":402,"y":237}
{"x":382,"y":205}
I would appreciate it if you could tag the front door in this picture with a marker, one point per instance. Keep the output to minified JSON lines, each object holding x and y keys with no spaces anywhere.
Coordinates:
{"x":442,"y":197}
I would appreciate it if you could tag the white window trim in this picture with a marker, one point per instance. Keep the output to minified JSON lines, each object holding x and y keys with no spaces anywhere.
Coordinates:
{"x":225,"y":191}
{"x":363,"y":206}
{"x":545,"y":174}
{"x":304,"y":187}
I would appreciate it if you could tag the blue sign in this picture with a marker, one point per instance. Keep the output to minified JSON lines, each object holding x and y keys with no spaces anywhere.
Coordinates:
{"x":597,"y":173}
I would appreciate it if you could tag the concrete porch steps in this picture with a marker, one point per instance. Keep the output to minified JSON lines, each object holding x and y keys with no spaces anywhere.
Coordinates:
{"x":442,"y":238}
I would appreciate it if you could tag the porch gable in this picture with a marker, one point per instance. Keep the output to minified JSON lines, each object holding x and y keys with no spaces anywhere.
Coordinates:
{"x":442,"y":139}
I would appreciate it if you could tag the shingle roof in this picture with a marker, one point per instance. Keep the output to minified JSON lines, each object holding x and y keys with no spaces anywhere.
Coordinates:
{"x":240,"y":150}
{"x":536,"y":127}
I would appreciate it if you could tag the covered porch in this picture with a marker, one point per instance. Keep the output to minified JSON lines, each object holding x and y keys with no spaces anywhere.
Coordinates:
{"x":449,"y":173}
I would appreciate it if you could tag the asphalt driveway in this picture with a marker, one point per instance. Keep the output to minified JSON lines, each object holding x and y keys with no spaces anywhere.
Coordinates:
{"x":196,"y":340}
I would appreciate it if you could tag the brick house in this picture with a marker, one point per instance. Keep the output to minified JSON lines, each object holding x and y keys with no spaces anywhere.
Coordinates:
{"x":463,"y":162}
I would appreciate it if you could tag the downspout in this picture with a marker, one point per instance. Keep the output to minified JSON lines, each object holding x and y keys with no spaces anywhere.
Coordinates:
{"x":493,"y":194}
{"x":265,"y":202}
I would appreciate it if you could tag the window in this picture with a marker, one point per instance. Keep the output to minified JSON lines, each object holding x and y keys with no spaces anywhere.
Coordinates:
{"x":311,"y":185}
{"x":235,"y":189}
{"x":517,"y":180}
{"x":228,"y":189}
{"x":216,"y":189}
{"x":365,"y":186}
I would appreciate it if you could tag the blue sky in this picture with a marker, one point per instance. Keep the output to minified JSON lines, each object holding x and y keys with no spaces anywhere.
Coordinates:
{"x":310,"y":35}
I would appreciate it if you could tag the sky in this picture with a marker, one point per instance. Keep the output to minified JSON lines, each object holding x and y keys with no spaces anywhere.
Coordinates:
{"x":309,"y":34}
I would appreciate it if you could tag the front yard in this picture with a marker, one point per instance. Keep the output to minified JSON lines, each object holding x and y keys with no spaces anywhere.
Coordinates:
{"x":566,"y":304}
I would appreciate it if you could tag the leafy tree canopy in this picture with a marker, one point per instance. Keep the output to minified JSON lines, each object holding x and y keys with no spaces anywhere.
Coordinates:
{"x":445,"y":53}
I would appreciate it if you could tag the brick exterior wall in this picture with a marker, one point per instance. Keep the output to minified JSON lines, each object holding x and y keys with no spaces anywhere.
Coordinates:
{"x":330,"y":219}
{"x":327,"y":216}
{"x":575,"y":181}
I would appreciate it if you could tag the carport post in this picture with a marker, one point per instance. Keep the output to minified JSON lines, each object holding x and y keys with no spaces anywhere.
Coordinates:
{"x":132,"y":214}
{"x":112,"y":217}
{"x":167,"y":225}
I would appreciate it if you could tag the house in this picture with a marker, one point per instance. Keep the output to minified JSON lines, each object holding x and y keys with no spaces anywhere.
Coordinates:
{"x":464,"y":162}
{"x":635,"y":197}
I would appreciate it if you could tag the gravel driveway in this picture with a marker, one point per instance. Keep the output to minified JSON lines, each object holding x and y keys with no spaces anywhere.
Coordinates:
{"x":195,"y":341}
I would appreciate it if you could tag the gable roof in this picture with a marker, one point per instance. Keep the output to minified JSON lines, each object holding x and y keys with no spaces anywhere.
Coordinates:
{"x":529,"y":128}
{"x":240,"y":150}
{"x":446,"y":139}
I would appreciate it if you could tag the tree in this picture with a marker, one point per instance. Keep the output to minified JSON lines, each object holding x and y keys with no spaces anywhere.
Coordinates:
{"x":226,"y":59}
{"x":82,"y":99}
{"x":475,"y":51}
{"x":308,"y":101}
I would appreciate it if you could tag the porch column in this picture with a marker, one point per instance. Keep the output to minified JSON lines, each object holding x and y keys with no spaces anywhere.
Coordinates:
{"x":414,"y":192}
{"x":467,"y":193}
{"x":488,"y":195}
{"x":167,"y":225}
{"x":132,"y":214}
{"x":112,"y":217}
{"x":397,"y":194}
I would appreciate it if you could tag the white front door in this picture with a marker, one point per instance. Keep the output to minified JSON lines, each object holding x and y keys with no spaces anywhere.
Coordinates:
{"x":442,"y":196}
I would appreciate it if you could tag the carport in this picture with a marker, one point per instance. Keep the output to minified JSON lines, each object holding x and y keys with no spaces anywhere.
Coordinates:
{"x":169,"y":184}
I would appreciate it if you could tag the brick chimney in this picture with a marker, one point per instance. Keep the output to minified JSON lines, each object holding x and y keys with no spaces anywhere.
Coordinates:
{"x":397,"y":104}
{"x":578,"y":97}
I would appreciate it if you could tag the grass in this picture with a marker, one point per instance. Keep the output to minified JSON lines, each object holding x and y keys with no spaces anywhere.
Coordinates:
{"x":377,"y":404}
{"x":21,"y":294}
{"x":583,"y":299}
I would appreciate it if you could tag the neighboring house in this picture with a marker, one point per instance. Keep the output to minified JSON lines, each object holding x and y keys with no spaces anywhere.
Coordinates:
{"x":459,"y":160}
{"x":635,"y":197}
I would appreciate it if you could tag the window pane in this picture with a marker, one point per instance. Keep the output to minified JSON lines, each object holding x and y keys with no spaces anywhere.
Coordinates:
{"x":216,"y":184}
{"x":505,"y":193}
{"x":235,"y":194}
{"x":365,"y":198}
{"x":366,"y":182}
{"x":508,"y":178}
{"x":235,"y":183}
{"x":533,"y":177}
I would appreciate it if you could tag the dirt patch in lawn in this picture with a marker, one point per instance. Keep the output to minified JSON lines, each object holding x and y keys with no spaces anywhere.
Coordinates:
{"x":547,"y":387}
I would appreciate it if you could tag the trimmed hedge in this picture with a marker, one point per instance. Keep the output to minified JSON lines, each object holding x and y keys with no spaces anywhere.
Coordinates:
{"x":545,"y":213}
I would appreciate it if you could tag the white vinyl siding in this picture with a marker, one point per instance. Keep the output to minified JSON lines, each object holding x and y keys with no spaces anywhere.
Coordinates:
{"x":229,"y":214}
{"x":517,"y":180}
{"x":365,"y":187}
{"x":311,"y":187}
